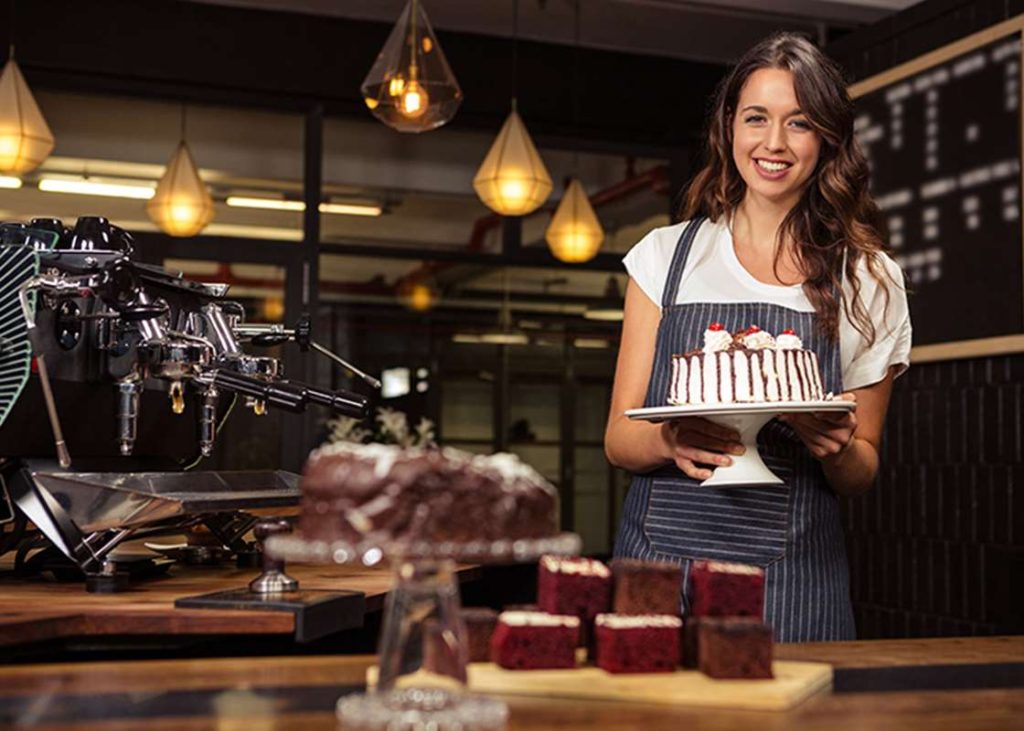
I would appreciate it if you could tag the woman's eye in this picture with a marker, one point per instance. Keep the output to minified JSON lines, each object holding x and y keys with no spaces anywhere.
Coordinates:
{"x":801,"y":124}
{"x":754,"y":119}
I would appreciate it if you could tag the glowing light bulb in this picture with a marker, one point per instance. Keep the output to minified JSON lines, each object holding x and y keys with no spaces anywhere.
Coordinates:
{"x":414,"y":100}
{"x":396,"y":86}
{"x":182,"y":213}
{"x":9,"y":147}
{"x":513,"y":192}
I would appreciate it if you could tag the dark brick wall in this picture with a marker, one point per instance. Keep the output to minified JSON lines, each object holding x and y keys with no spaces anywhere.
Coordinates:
{"x":937,"y":547}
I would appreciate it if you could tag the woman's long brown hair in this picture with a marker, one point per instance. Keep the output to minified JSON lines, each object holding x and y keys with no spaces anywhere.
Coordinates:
{"x":835,"y":216}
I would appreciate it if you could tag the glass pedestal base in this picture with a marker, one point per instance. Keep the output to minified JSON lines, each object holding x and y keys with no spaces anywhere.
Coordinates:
{"x":420,"y":709}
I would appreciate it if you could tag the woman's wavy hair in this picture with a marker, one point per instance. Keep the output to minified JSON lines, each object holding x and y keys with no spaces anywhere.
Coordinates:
{"x":835,"y":217}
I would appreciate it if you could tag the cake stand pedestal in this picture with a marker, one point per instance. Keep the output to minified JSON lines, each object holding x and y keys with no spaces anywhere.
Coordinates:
{"x":748,"y":419}
{"x":407,"y":694}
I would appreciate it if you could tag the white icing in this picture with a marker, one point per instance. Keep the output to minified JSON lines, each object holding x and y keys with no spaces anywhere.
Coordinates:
{"x":579,"y":566}
{"x":537,"y":619}
{"x":759,"y":340}
{"x":757,"y":377}
{"x":742,"y":365}
{"x":724,"y":567}
{"x":693,"y":395}
{"x":771,"y":376}
{"x":710,"y":380}
{"x":788,"y":342}
{"x":624,"y":621}
{"x":716,"y":341}
{"x":726,"y":380}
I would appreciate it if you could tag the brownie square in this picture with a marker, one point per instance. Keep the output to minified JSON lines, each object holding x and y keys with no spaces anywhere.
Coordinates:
{"x":734,"y":647}
{"x":534,"y":641}
{"x":646,"y":587}
{"x":637,"y":643}
{"x":721,"y":589}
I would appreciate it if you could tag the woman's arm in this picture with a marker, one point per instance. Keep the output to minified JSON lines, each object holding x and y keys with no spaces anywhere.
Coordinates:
{"x":847,"y":444}
{"x":639,"y":446}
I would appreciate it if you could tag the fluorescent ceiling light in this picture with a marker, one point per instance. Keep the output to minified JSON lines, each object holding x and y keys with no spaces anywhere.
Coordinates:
{"x":504,"y":338}
{"x":81,"y":186}
{"x":279,"y":204}
{"x":590,"y":343}
{"x":270,"y":204}
{"x":7,"y":181}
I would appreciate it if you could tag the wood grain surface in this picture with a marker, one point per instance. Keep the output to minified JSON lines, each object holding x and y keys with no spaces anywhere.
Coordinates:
{"x":36,"y":609}
{"x":299,"y":693}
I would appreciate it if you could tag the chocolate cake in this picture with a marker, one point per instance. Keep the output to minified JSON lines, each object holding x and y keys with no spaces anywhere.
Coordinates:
{"x":375,"y":492}
{"x":637,"y":643}
{"x":535,"y":640}
{"x":750,"y":366}
{"x":645,"y":587}
{"x":721,"y":589}
{"x":734,"y":647}
{"x":479,"y":624}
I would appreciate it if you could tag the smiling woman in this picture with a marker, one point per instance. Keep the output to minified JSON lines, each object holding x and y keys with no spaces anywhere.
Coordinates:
{"x":780,"y":232}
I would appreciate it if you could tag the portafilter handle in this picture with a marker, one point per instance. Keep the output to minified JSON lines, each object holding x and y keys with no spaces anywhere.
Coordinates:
{"x":273,"y":580}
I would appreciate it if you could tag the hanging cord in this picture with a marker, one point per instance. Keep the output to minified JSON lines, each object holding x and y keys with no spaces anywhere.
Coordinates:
{"x":576,"y":88}
{"x":10,"y":50}
{"x":515,"y":52}
{"x":412,"y":41}
{"x":183,"y":115}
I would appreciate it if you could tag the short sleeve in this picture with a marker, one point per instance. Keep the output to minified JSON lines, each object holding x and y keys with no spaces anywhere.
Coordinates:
{"x":648,"y":262}
{"x":893,"y":333}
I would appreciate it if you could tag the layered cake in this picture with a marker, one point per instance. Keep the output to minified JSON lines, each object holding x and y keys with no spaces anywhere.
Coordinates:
{"x":721,"y":589}
{"x":645,"y":587}
{"x":580,"y":587}
{"x":734,"y":647}
{"x":376,"y":492}
{"x":637,"y":643}
{"x":750,"y":366}
{"x":535,"y":641}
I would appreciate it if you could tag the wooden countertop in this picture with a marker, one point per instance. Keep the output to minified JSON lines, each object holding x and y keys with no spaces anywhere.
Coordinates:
{"x":36,"y":609}
{"x":299,"y":693}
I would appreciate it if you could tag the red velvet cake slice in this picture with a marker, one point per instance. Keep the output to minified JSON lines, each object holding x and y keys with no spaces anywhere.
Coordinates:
{"x":637,"y":643}
{"x":734,"y":647}
{"x":721,"y":589}
{"x":535,"y":641}
{"x":645,"y":587}
{"x":580,"y":587}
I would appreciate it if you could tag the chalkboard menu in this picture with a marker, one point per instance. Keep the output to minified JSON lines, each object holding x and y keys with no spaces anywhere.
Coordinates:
{"x":944,"y":147}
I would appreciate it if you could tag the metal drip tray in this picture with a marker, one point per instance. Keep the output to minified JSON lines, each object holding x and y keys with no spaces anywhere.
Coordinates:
{"x":104,"y":500}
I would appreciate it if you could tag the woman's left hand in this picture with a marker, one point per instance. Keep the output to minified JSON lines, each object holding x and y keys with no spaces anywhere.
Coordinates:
{"x":826,"y":434}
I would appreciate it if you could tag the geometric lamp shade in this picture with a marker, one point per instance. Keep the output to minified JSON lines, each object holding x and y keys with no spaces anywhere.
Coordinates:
{"x":410,"y":86}
{"x":574,"y":234}
{"x":181,"y":204}
{"x":25,"y":137}
{"x":512,"y":179}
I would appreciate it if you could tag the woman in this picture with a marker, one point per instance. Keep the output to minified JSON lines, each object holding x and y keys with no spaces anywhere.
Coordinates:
{"x":781,"y":233}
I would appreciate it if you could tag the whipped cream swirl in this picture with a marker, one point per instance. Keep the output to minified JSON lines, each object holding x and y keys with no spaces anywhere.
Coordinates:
{"x":788,"y":341}
{"x":715,"y":341}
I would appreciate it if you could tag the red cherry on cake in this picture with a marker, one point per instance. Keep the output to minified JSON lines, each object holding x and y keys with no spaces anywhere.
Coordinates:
{"x":789,"y":331}
{"x":716,"y":326}
{"x":753,"y":329}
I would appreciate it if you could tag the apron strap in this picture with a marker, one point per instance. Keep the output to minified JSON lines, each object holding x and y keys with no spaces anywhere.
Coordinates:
{"x":682,"y":252}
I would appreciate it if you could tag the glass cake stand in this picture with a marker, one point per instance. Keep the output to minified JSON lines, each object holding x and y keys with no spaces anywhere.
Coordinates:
{"x":409,"y":695}
{"x":747,"y":419}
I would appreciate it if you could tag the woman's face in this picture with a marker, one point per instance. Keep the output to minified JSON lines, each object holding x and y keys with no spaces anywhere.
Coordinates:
{"x":774,"y":147}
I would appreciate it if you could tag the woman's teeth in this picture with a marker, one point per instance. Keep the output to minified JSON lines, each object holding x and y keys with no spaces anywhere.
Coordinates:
{"x":773,"y":167}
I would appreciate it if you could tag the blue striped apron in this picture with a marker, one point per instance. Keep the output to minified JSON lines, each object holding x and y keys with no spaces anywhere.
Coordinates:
{"x":792,"y":530}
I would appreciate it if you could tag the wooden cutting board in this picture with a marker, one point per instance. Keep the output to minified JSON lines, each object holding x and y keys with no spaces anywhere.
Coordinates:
{"x":794,"y":682}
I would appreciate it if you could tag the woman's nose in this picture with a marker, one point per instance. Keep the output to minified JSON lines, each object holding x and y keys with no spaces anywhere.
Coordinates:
{"x":776,"y":140}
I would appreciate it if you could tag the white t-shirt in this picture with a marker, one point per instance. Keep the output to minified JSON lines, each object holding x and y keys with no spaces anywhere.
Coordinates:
{"x":713,"y":273}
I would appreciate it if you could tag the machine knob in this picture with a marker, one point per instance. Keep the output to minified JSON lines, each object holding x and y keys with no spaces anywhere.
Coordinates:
{"x":273,"y":580}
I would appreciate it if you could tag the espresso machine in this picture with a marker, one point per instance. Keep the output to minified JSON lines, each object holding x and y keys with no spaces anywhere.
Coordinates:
{"x":115,"y":378}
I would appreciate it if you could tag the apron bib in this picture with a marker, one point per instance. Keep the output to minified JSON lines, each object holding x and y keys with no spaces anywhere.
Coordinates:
{"x":793,"y":531}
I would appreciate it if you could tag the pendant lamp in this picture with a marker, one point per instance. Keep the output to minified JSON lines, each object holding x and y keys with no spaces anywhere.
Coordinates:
{"x":181,"y":204}
{"x":25,"y":137}
{"x":512,"y":179}
{"x":410,"y":86}
{"x":574,"y":234}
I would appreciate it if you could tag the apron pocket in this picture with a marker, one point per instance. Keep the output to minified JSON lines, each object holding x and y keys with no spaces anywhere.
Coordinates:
{"x":743,"y":524}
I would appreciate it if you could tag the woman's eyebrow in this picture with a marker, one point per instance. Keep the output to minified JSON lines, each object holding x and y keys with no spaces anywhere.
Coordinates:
{"x":764,"y":110}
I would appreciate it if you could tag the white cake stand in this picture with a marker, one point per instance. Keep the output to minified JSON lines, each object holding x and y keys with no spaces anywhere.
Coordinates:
{"x":407,"y":696}
{"x":747,"y":419}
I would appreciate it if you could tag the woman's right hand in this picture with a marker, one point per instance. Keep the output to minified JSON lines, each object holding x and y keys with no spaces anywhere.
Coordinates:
{"x":692,"y":441}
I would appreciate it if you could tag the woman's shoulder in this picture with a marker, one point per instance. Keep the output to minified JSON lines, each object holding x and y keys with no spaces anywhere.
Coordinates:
{"x":661,"y":241}
{"x":883,"y":271}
